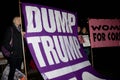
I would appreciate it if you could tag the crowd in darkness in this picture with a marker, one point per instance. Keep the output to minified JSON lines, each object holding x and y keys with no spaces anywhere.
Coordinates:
{"x":105,"y":60}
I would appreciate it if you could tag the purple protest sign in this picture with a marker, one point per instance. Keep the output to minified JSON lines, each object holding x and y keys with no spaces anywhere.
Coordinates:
{"x":51,"y":35}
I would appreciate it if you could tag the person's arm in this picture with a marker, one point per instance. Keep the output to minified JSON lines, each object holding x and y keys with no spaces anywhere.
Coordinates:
{"x":7,"y":39}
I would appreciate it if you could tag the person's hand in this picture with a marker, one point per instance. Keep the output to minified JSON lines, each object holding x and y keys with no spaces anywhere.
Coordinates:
{"x":23,"y":33}
{"x":81,"y":39}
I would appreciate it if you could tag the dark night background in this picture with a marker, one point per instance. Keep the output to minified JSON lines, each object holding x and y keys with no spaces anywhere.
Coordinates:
{"x":106,"y":60}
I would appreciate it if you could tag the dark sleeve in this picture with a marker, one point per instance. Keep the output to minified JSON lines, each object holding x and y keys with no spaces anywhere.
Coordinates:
{"x":7,"y":39}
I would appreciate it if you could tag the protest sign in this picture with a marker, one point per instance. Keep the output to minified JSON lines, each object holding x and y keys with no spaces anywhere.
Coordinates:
{"x":52,"y":38}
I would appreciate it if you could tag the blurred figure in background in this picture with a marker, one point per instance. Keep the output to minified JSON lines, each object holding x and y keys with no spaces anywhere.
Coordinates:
{"x":84,"y":39}
{"x":13,"y":43}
